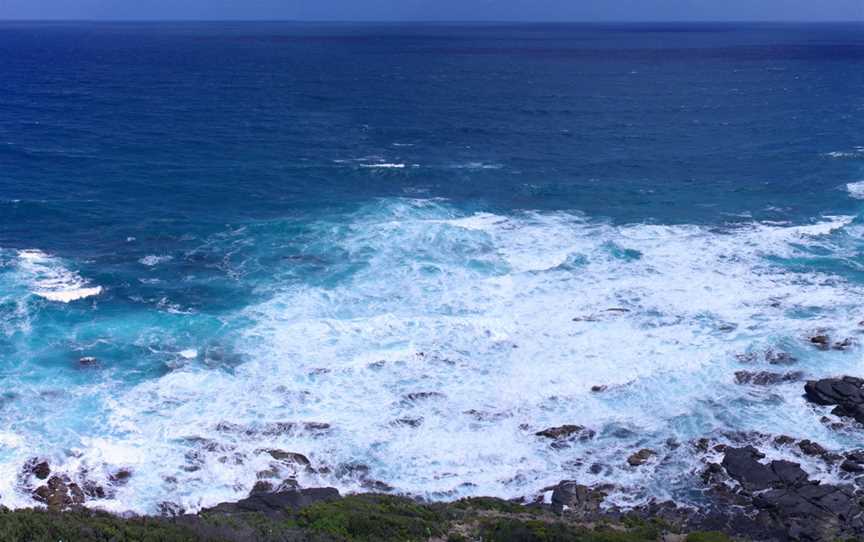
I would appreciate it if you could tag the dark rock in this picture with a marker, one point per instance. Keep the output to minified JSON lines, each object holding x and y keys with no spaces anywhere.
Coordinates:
{"x":581,"y":501}
{"x":170,"y":509}
{"x":821,"y":341}
{"x":779,"y":358}
{"x":641,"y":457}
{"x":93,"y":490}
{"x":289,"y":484}
{"x":783,"y":440}
{"x":39,"y":469}
{"x":792,"y":503}
{"x":288,"y":458}
{"x":424,"y":395}
{"x":566,"y":432}
{"x":408,"y":422}
{"x":812,"y":448}
{"x":844,"y":344}
{"x":59,"y":493}
{"x":852,"y":466}
{"x":120,"y":477}
{"x":765,"y":378}
{"x":275,"y":504}
{"x":846,"y":392}
{"x":377,"y":486}
{"x":261,"y":486}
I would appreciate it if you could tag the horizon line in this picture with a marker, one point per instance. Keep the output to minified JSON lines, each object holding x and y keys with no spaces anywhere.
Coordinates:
{"x":438,"y":21}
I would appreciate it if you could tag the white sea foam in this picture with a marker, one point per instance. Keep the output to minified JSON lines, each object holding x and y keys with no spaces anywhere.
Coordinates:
{"x":384,"y":166}
{"x":857,"y":152}
{"x":856,"y":189}
{"x":49,"y":278}
{"x":152,"y":260}
{"x":456,"y":338}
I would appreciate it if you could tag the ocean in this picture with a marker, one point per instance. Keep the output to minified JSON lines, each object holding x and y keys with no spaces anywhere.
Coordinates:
{"x":402,"y":250}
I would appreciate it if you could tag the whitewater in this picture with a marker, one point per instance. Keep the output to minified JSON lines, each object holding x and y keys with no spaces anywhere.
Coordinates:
{"x":434,"y":347}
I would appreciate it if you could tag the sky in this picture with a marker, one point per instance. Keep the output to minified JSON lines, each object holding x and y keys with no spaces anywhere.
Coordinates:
{"x":448,"y":10}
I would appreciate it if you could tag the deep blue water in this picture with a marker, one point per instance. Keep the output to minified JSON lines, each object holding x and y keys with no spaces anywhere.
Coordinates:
{"x":262,"y":222}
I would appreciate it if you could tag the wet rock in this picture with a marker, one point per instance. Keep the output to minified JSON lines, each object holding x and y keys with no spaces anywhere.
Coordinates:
{"x":641,"y":457}
{"x":820,"y":341}
{"x":275,"y":428}
{"x":288,"y":458}
{"x":843,"y":345}
{"x":847,"y":393}
{"x":765,"y":378}
{"x":784,"y":440}
{"x":811,"y":448}
{"x":38,"y":468}
{"x":120,"y":477}
{"x":579,"y":500}
{"x":779,"y":358}
{"x":170,"y":509}
{"x":790,"y":501}
{"x":483,"y":416}
{"x":59,"y":493}
{"x":88,"y":362}
{"x":376,"y":486}
{"x":93,"y":490}
{"x":423,"y":396}
{"x":852,"y":466}
{"x":408,"y":422}
{"x":261,"y":486}
{"x":566,"y":432}
{"x":274,"y":505}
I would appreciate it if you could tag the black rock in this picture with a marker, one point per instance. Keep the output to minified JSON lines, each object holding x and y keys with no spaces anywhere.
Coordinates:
{"x":566,"y":432}
{"x":821,"y":341}
{"x":847,"y":393}
{"x":811,"y":448}
{"x":39,"y":469}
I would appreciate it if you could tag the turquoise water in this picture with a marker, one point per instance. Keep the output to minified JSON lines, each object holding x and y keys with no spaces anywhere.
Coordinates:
{"x":254,"y":224}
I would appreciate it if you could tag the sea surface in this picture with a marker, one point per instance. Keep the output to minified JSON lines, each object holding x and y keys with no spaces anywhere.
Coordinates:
{"x":394,"y":249}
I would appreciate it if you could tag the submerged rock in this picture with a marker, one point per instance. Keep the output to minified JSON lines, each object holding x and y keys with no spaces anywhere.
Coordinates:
{"x":765,"y":378}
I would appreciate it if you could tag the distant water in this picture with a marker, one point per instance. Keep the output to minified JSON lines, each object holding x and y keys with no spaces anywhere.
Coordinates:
{"x":414,"y":234}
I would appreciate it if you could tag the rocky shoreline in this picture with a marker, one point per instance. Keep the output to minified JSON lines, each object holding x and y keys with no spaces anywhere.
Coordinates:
{"x":748,"y":489}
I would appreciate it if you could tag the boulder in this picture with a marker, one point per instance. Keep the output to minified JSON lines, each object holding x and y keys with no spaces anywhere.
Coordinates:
{"x":59,"y":493}
{"x":641,"y":457}
{"x":847,"y":393}
{"x":577,"y":499}
{"x":789,"y":501}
